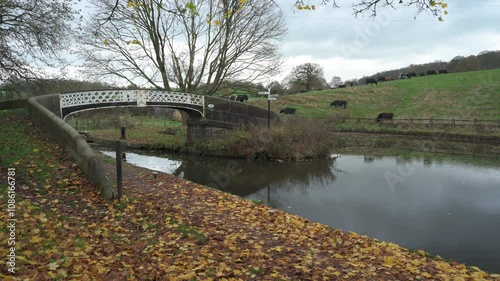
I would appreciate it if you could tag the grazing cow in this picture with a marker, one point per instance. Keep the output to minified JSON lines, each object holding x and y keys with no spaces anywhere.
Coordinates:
{"x":411,"y":74}
{"x":371,"y":81}
{"x":242,"y":98}
{"x":351,"y":83}
{"x":422,"y":74}
{"x":232,"y":97}
{"x":381,"y":79}
{"x":385,"y":116}
{"x":402,"y":76}
{"x":442,"y":71}
{"x":339,"y":103}
{"x":431,"y":72}
{"x":288,"y":110}
{"x":389,"y":78}
{"x":341,"y":86}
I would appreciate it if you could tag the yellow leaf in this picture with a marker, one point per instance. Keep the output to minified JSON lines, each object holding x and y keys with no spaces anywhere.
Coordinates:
{"x":101,"y":269}
{"x":445,"y":12}
{"x":390,"y":261}
{"x":135,"y":42}
{"x":42,"y":218}
{"x":243,"y":2}
{"x":53,"y":266}
{"x":36,"y":239}
{"x":421,"y":252}
{"x":444,"y":5}
{"x":106,"y":42}
{"x":217,"y":22}
{"x":67,"y":263}
{"x":62,"y":272}
{"x":426,"y":275}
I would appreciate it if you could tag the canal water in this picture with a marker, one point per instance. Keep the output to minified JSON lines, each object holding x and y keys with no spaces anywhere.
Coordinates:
{"x":447,"y":205}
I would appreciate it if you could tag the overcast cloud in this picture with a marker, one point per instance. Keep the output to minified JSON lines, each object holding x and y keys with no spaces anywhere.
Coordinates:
{"x":352,"y":47}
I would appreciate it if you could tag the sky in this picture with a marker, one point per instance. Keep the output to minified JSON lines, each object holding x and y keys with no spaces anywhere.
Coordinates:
{"x":351,"y":47}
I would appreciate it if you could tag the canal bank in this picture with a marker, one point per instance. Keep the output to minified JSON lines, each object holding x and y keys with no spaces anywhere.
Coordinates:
{"x":252,"y":239}
{"x":441,"y":203}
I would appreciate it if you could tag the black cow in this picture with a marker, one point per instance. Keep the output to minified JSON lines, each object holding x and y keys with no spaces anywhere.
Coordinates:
{"x":422,"y":74}
{"x":339,"y":103}
{"x":381,"y":79}
{"x":431,"y":72}
{"x":385,"y":116}
{"x":341,"y":86}
{"x":288,"y":110}
{"x":242,"y":98}
{"x":442,"y":71}
{"x":411,"y":74}
{"x":371,"y":81}
{"x":232,"y":98}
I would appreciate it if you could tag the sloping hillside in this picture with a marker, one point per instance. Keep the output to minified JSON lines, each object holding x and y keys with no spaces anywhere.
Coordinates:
{"x":465,"y":95}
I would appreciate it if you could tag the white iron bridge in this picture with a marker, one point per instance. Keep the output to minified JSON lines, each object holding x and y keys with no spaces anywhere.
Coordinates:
{"x":89,"y":100}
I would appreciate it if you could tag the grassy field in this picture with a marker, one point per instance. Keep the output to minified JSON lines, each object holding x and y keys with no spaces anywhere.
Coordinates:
{"x":460,"y":96}
{"x":466,"y":95}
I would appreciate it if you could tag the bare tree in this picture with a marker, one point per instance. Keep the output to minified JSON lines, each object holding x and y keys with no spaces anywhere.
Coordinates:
{"x":190,"y":45}
{"x":306,"y":77}
{"x":336,"y":80}
{"x":437,"y":8}
{"x":31,"y":34}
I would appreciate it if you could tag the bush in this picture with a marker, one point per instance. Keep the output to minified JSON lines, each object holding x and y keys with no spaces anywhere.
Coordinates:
{"x":297,"y":139}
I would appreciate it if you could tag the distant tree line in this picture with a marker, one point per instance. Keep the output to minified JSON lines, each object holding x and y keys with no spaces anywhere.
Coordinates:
{"x":37,"y":87}
{"x":483,"y":61}
{"x":302,"y":78}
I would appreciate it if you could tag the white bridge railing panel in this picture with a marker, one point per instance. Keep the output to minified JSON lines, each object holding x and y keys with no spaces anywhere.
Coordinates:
{"x":139,"y":97}
{"x":93,"y":97}
{"x":175,"y":97}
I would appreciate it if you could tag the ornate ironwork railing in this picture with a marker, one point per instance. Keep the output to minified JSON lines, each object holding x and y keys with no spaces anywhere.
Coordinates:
{"x":139,"y":98}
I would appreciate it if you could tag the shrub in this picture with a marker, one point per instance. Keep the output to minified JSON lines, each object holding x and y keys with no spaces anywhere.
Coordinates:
{"x":294,"y":140}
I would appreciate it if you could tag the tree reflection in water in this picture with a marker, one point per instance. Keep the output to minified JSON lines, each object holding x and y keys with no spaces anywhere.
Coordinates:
{"x":243,"y":178}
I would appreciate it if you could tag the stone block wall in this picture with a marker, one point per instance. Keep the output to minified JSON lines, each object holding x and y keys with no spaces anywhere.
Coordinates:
{"x":42,"y":111}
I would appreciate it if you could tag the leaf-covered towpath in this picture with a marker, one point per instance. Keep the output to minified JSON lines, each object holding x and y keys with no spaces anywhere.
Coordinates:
{"x":168,"y":228}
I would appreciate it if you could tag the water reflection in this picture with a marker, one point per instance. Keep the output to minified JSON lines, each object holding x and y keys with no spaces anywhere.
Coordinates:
{"x":446,"y":206}
{"x":243,"y":178}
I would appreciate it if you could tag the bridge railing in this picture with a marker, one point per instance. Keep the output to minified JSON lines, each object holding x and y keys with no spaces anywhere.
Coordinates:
{"x":76,"y":101}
